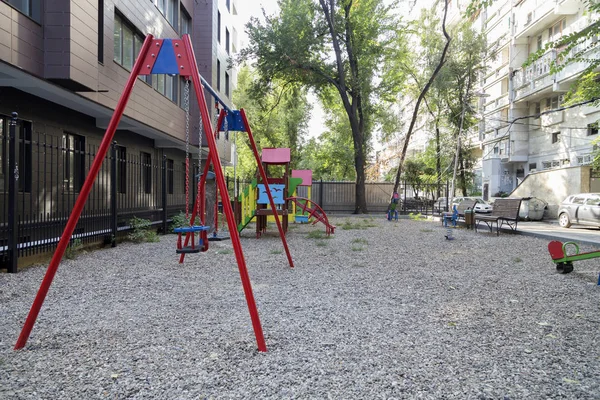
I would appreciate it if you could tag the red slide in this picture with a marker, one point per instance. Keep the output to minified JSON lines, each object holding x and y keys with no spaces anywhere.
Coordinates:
{"x":314,"y":211}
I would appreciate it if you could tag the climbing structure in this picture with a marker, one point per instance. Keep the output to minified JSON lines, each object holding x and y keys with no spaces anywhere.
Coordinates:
{"x":174,"y":57}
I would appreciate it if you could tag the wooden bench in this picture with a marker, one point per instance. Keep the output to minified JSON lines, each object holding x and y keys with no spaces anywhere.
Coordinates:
{"x":506,"y":211}
{"x":461,"y":208}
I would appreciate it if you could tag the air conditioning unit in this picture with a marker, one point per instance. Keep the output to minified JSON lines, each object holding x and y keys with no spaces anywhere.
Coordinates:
{"x":503,"y":159}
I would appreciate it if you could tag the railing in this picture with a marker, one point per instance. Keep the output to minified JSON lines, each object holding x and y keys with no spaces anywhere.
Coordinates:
{"x":47,"y":176}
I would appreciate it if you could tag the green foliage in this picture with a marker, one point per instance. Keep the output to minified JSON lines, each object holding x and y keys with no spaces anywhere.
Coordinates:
{"x":347,"y":51}
{"x":360,"y":241}
{"x":321,"y":243}
{"x":318,"y":235}
{"x":179,"y":221}
{"x":141,"y":231}
{"x":74,"y":249}
{"x":357,"y":224}
{"x":415,"y":217}
{"x":276,"y":251}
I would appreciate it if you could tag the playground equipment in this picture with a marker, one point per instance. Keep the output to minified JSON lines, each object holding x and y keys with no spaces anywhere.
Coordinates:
{"x":392,"y":212}
{"x":252,"y":202}
{"x":175,"y":57}
{"x":564,"y":261}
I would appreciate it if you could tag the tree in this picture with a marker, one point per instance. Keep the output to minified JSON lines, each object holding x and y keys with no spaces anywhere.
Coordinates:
{"x":278,"y":116}
{"x":334,"y":45}
{"x":420,"y":98}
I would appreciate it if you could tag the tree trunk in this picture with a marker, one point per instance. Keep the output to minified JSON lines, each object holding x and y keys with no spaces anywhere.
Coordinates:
{"x":420,"y":99}
{"x":438,"y":159}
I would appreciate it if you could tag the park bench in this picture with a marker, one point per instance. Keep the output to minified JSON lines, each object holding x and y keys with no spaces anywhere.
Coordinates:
{"x":460,"y":208}
{"x":506,"y":211}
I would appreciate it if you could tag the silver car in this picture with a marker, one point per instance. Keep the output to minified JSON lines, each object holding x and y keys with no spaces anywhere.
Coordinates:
{"x":583,"y":209}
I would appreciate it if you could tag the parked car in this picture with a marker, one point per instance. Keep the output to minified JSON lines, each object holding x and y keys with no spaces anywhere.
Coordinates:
{"x":481,"y":207}
{"x":582,"y":209}
{"x":440,"y":205}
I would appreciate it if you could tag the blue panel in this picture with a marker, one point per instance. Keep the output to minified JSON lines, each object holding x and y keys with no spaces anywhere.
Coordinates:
{"x":234,"y":122}
{"x":276,"y":192}
{"x":166,"y":63}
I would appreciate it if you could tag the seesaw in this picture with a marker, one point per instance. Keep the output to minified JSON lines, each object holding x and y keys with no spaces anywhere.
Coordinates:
{"x":564,"y":260}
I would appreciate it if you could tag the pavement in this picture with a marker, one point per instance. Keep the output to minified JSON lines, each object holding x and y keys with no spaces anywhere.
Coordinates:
{"x":552,"y":231}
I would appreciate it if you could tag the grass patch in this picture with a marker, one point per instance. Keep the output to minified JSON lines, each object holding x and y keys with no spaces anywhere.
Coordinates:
{"x":360,"y":241}
{"x":415,"y":217}
{"x":357,"y":248}
{"x":224,"y":251}
{"x":426,"y":230}
{"x":74,"y":249}
{"x":318,"y":235}
{"x":276,"y":251}
{"x":517,"y":260}
{"x":358,"y":224}
{"x":321,"y":243}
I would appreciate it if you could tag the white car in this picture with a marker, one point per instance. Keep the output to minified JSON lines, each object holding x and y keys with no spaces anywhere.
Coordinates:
{"x":481,"y":207}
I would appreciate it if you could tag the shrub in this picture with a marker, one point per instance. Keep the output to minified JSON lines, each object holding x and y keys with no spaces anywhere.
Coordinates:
{"x":179,"y":221}
{"x":73,"y":249}
{"x":141,"y":231}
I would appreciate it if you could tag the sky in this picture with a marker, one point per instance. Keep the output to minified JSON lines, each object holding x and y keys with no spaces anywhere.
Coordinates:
{"x":253,"y":8}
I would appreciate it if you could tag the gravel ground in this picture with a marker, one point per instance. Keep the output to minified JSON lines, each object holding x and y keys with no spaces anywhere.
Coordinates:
{"x":390,"y":311}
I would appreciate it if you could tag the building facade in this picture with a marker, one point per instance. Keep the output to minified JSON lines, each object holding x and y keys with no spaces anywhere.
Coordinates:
{"x":516,"y":140}
{"x":63,"y":67}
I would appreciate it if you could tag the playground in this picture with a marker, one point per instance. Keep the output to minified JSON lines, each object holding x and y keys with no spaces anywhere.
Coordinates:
{"x":380,"y":309}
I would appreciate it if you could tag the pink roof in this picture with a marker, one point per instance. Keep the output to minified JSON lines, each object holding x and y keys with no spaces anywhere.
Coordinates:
{"x":276,"y":156}
{"x":305,"y":174}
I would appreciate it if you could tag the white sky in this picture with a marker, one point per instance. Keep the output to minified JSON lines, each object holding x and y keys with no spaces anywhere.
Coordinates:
{"x":253,"y":8}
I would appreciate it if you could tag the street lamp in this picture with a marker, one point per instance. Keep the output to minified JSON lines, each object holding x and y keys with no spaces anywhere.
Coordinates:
{"x":462,"y":119}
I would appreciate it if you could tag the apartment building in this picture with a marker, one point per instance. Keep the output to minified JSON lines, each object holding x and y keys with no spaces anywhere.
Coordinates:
{"x":63,"y":67}
{"x":516,"y":140}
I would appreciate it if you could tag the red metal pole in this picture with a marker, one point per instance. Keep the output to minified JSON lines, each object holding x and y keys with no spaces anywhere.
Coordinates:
{"x":235,"y":238}
{"x":267,"y":189}
{"x":81,"y":200}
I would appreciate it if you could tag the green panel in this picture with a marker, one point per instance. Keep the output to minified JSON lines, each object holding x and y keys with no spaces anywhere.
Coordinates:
{"x":294,"y":182}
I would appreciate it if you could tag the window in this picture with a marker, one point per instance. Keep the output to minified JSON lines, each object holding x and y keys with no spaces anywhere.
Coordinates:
{"x":532,"y":166}
{"x":185,"y":23}
{"x":496,"y":149}
{"x":227,"y":40}
{"x":555,"y":137}
{"x":228,"y":4}
{"x":585,"y":160}
{"x":168,"y":8}
{"x":219,"y":26}
{"x":593,"y":201}
{"x":546,"y":164}
{"x":127,"y":42}
{"x":170,"y":176}
{"x":146,"y":167}
{"x":537,"y":110}
{"x":101,"y":31}
{"x":3,"y":151}
{"x":539,"y":43}
{"x":121,"y":169}
{"x":226,"y":84}
{"x":553,"y":103}
{"x":556,"y":31}
{"x":218,"y":75}
{"x":504,"y":115}
{"x":592,"y":129}
{"x":166,"y":85}
{"x":31,"y":8}
{"x":73,"y":148}
{"x":23,"y":133}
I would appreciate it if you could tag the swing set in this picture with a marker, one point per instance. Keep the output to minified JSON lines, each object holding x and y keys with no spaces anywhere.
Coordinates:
{"x":175,"y":57}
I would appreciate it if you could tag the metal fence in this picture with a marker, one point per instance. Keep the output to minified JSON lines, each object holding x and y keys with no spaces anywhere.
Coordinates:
{"x":40,"y":179}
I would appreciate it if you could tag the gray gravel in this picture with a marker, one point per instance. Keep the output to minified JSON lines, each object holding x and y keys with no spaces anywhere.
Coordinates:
{"x":404,"y":315}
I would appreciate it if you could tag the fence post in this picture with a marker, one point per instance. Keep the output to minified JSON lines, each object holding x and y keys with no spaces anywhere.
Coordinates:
{"x":13,"y":177}
{"x":404,"y":202}
{"x":321,"y":195}
{"x":113,"y":194}
{"x":164,"y":194}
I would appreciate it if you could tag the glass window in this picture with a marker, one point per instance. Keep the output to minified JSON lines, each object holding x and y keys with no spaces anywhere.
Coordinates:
{"x":73,"y":161}
{"x":226,"y":84}
{"x":592,"y":129}
{"x":593,"y":201}
{"x":218,"y":75}
{"x":185,"y":23}
{"x":578,"y":200}
{"x":121,"y":169}
{"x":146,"y":167}
{"x":172,"y":13}
{"x":3,"y":154}
{"x":31,"y":8}
{"x":227,"y":40}
{"x":170,"y":176}
{"x":555,"y":137}
{"x":118,"y":43}
{"x":128,"y":47}
{"x":127,"y":43}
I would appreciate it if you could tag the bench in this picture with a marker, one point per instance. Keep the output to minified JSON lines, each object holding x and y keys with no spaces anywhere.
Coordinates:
{"x":506,"y":211}
{"x":460,"y":210}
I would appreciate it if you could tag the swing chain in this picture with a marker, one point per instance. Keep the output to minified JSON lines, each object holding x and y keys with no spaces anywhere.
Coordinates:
{"x":186,"y":105}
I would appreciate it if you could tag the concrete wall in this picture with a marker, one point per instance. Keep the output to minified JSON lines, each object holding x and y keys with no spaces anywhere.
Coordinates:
{"x":554,"y":185}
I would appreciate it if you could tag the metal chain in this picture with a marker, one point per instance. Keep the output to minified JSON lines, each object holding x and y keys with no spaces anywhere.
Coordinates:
{"x":186,"y":106}
{"x":200,"y":127}
{"x":226,"y":127}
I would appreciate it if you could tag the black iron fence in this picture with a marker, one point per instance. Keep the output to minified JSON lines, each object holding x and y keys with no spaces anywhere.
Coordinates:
{"x":40,"y":179}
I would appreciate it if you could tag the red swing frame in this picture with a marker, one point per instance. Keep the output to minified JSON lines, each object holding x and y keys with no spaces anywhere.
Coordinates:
{"x":181,"y":60}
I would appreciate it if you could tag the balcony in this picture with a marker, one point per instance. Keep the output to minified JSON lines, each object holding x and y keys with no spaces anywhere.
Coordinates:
{"x":590,"y":51}
{"x":535,"y":77}
{"x":531,"y":15}
{"x":496,"y":104}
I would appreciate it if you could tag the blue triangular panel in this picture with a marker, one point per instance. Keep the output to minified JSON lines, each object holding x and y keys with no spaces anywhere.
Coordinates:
{"x":234,"y":122}
{"x":166,"y":63}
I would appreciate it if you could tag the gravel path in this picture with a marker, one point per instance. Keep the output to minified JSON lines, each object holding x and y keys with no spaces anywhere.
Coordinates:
{"x":392,"y":311}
